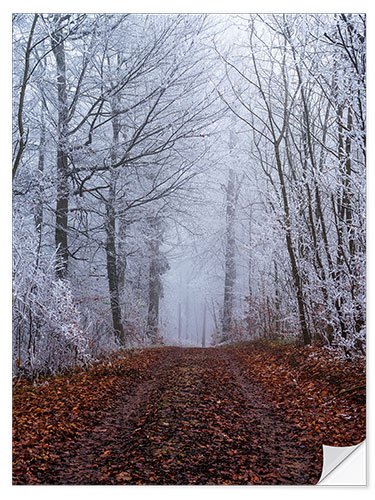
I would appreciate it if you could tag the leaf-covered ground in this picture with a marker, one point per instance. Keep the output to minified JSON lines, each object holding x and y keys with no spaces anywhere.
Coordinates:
{"x":253,"y":414}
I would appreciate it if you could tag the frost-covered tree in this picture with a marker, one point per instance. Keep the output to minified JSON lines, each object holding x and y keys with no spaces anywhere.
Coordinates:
{"x":218,"y":158}
{"x":296,"y":82}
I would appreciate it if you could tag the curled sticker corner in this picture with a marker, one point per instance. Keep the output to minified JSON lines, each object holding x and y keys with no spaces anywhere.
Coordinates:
{"x":335,"y":456}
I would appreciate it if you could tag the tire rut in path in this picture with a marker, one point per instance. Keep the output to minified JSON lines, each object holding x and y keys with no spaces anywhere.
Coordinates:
{"x":197,"y":420}
{"x":84,"y":458}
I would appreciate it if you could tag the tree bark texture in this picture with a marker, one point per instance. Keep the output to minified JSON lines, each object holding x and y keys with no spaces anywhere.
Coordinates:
{"x":62,"y":202}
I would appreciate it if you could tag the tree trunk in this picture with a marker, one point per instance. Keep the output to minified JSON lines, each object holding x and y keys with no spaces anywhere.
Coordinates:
{"x":62,"y":203}
{"x":204,"y":326}
{"x":158,"y":266}
{"x":230,"y":266}
{"x":112,"y":274}
{"x":293,"y":262}
{"x":153,"y":300}
{"x":111,"y":249}
{"x":179,"y":323}
{"x":38,"y":214}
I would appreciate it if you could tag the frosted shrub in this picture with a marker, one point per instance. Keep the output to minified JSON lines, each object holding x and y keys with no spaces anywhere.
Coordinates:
{"x":47,"y":336}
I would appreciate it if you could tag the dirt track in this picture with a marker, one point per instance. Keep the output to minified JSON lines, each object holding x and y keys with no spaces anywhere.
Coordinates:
{"x":195,"y":420}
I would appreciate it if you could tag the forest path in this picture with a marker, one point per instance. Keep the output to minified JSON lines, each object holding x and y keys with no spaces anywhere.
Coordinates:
{"x":195,"y":420}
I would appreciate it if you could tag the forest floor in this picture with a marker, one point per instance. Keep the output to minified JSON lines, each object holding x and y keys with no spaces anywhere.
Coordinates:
{"x":256,"y":413}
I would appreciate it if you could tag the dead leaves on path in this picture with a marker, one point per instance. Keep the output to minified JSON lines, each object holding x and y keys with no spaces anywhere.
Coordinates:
{"x":251,"y":415}
{"x":49,"y":415}
{"x":322,"y":394}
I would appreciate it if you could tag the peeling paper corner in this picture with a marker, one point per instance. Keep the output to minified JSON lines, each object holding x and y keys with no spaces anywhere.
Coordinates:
{"x":344,"y":465}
